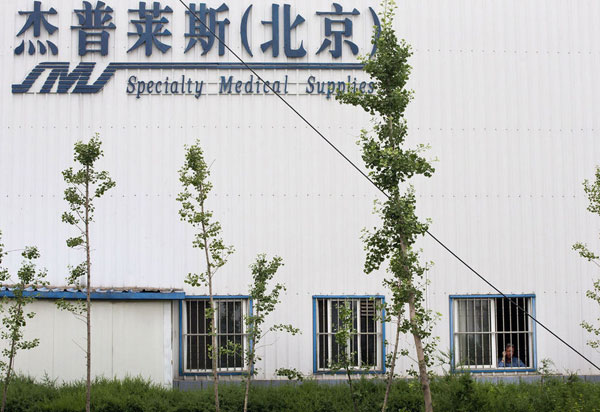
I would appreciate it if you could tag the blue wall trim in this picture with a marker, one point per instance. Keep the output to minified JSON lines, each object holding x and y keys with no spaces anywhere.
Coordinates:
{"x":535,"y":365}
{"x":217,"y":297}
{"x":529,"y":295}
{"x":353,"y":372}
{"x":451,"y":317}
{"x":250,"y":313}
{"x":314,"y":308}
{"x":383,"y":325}
{"x":511,"y":370}
{"x":125,"y":295}
{"x":348,"y":296}
{"x":209,"y":373}
{"x":503,"y":371}
{"x":180,"y":339}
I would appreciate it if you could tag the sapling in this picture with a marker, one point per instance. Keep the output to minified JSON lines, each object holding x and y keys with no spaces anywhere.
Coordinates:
{"x":194,"y":177}
{"x":390,"y":166}
{"x":263,"y":303}
{"x":84,"y":186}
{"x":15,"y":317}
{"x":345,"y":358}
{"x":592,"y":190}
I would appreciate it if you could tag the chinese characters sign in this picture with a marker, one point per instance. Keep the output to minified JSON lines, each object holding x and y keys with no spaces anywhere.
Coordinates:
{"x":205,"y":28}
{"x":276,"y":34}
{"x":36,"y":19}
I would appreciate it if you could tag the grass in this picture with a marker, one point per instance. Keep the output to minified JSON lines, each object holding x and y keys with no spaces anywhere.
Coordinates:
{"x":452,"y":393}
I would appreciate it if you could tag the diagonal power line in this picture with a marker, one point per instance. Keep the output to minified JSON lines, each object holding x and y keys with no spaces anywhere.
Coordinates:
{"x":363,"y":174}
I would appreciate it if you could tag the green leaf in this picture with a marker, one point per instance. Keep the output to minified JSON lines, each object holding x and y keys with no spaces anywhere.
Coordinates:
{"x":75,"y":241}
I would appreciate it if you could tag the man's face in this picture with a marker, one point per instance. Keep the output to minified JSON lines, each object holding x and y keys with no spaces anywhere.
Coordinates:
{"x":509,"y":352}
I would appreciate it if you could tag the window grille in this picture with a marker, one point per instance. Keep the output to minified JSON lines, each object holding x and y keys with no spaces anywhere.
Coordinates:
{"x":364,"y":346}
{"x":196,"y":336}
{"x":487,"y":329}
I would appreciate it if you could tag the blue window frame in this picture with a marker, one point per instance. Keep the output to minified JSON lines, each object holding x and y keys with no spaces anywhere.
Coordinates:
{"x":194,"y":336}
{"x":367,"y":346}
{"x":488,"y":333}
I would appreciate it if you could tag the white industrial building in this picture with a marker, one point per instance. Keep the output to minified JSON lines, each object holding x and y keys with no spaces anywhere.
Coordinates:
{"x":506,"y":93}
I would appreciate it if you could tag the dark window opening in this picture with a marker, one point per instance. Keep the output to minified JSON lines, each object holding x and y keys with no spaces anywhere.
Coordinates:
{"x":363,"y":348}
{"x":231,"y":339}
{"x":492,"y":333}
{"x":513,"y":327}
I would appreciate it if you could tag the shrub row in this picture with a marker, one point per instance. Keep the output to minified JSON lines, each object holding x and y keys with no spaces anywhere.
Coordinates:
{"x":454,"y":393}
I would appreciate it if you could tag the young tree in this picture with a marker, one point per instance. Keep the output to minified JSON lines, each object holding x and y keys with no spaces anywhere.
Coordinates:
{"x":15,"y":319}
{"x":263,"y":303}
{"x":390,"y":167}
{"x":344,"y":359}
{"x":84,"y":187}
{"x":592,"y":190}
{"x":194,"y":177}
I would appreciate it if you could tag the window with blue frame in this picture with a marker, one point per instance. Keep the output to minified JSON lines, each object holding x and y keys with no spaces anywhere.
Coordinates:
{"x":196,"y":338}
{"x":491,"y":333}
{"x":364,"y":347}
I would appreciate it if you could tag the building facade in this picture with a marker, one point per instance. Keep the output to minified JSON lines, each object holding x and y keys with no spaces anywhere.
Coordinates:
{"x":505,"y":94}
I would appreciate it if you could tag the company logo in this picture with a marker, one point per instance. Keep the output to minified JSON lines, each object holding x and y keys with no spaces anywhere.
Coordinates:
{"x":148,"y":31}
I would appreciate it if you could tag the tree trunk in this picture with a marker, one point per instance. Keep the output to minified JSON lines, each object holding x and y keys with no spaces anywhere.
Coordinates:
{"x":213,"y":321}
{"x":214,"y":351}
{"x":88,"y":296}
{"x":250,"y":363}
{"x":247,"y":393}
{"x":11,"y":360}
{"x":351,"y":390}
{"x":420,"y":355}
{"x":390,"y":378}
{"x":423,"y":377}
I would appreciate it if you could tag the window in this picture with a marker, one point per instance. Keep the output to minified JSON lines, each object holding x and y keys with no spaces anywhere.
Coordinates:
{"x":196,"y":338}
{"x":487,"y":330}
{"x":365,"y":346}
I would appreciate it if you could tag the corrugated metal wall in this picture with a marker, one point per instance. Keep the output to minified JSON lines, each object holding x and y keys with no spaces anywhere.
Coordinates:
{"x":127,"y":341}
{"x":506,"y":93}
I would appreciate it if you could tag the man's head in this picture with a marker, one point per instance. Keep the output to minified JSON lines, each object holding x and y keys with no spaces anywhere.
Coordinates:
{"x":510,"y":349}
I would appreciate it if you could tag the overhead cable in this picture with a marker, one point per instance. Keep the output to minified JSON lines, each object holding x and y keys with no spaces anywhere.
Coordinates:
{"x":338,"y":151}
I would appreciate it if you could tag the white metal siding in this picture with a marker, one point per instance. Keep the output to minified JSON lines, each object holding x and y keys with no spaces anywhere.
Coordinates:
{"x":506,"y":93}
{"x":127,"y":341}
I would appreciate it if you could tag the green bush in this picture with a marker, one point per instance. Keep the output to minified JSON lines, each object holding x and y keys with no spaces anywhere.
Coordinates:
{"x":452,"y":393}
